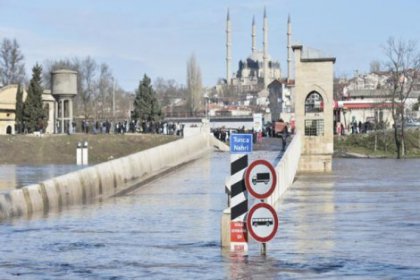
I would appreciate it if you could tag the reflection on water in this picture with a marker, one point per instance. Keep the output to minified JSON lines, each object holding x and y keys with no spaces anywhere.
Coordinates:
{"x":17,"y":176}
{"x":359,"y":222}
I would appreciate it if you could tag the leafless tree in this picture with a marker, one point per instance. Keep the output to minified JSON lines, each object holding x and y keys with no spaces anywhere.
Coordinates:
{"x":194,"y":85}
{"x":12,"y":67}
{"x":404,"y":67}
{"x":375,"y":66}
{"x":105,"y":87}
{"x":87,"y":74}
{"x":168,"y":90}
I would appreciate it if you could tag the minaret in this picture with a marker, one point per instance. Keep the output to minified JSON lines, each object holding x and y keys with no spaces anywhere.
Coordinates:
{"x":228,"y":48}
{"x":265,"y":49}
{"x":289,"y":47}
{"x":253,"y":35}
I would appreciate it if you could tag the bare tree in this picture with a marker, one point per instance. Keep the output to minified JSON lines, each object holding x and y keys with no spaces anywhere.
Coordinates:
{"x":375,"y":66}
{"x":53,"y":65}
{"x":12,"y":67}
{"x":194,"y":85}
{"x":168,"y":90}
{"x":88,"y":68}
{"x":404,"y":68}
{"x":104,"y":98}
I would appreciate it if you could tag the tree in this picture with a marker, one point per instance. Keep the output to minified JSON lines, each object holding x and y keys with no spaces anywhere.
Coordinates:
{"x":375,"y":66}
{"x":12,"y":67}
{"x":104,"y":98}
{"x":416,"y":105}
{"x":19,"y":109}
{"x":95,"y":85}
{"x":33,"y":112}
{"x":146,"y":105}
{"x":404,"y":68}
{"x":168,"y":90}
{"x":194,"y":85}
{"x":87,"y":75}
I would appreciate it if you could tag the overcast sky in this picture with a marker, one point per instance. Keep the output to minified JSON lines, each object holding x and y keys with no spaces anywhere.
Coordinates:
{"x":157,"y":37}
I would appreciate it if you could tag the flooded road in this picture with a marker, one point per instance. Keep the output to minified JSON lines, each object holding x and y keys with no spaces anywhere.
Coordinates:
{"x":361,"y":221}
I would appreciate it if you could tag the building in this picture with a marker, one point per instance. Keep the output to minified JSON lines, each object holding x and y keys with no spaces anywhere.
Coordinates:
{"x":366,"y":98}
{"x":8,"y":109}
{"x":57,"y":102}
{"x":250,"y":84}
{"x":258,"y":69}
{"x":314,"y":106}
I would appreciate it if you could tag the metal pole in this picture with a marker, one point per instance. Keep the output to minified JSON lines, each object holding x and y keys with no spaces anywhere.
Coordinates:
{"x":79,"y":154}
{"x":264,"y":249}
{"x":85,"y":156}
{"x":113,"y":101}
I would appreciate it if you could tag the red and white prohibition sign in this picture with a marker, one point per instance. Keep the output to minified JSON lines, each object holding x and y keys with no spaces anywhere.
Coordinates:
{"x":260,"y":179}
{"x":262,"y":222}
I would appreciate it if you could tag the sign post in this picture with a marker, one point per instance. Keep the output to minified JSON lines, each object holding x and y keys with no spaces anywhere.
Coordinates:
{"x":240,"y":146}
{"x":262,"y":221}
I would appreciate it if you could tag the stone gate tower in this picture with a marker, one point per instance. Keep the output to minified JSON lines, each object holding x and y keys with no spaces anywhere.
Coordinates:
{"x":64,"y":89}
{"x":314,"y":108}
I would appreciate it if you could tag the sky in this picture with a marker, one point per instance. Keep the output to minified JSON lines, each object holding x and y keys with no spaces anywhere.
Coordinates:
{"x":137,"y":37}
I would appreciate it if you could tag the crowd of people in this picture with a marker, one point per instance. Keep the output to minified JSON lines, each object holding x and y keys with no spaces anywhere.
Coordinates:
{"x":223,"y":134}
{"x":133,"y":126}
{"x":353,"y":128}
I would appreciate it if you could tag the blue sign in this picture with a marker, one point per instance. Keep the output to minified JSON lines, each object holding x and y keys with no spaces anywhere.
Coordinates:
{"x":240,"y":143}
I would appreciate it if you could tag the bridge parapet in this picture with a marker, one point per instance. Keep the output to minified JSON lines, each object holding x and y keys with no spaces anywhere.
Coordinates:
{"x":102,"y":181}
{"x":287,"y":168}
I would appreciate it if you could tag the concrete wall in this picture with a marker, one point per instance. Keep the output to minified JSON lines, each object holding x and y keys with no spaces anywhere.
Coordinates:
{"x":103,"y":180}
{"x":286,"y":169}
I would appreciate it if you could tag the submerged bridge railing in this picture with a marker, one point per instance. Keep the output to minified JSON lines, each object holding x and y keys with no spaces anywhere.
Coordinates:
{"x":286,"y":169}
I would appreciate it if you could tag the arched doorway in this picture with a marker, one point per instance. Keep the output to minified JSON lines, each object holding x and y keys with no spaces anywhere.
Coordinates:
{"x":9,"y":130}
{"x":314,"y":117}
{"x":314,"y":103}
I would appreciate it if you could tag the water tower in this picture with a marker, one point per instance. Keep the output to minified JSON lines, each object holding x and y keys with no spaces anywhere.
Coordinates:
{"x":64,"y":89}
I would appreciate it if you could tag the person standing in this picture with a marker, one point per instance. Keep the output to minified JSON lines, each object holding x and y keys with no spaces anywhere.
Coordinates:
{"x":284,"y":135}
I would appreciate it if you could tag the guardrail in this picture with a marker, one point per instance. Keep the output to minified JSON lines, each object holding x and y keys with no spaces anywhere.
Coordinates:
{"x":286,"y":169}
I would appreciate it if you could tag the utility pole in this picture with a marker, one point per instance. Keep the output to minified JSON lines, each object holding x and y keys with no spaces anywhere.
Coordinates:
{"x":113,"y":101}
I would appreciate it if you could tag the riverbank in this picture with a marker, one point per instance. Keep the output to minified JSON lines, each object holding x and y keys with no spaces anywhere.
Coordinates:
{"x":61,"y":149}
{"x":379,"y":144}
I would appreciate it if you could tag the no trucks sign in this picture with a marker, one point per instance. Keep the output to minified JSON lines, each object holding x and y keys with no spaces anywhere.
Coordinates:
{"x":260,"y":179}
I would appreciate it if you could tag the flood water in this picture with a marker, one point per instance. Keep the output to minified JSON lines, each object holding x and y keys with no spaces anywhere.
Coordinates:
{"x":16,"y":176}
{"x":360,"y":222}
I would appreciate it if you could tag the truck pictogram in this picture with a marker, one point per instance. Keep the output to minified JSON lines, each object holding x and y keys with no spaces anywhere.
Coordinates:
{"x":261,"y":178}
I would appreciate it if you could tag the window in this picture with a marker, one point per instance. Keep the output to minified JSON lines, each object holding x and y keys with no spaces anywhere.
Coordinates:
{"x":314,"y":103}
{"x":314,"y":127}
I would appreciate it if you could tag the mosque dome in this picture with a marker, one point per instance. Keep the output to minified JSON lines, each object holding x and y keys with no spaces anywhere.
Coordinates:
{"x":258,"y":56}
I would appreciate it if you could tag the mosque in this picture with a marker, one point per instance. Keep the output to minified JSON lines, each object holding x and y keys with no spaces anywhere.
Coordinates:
{"x":259,"y":75}
{"x":258,"y":69}
{"x":307,"y":99}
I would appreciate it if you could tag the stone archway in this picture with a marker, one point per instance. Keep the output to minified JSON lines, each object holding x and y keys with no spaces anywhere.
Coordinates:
{"x":9,"y":129}
{"x":314,"y":109}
